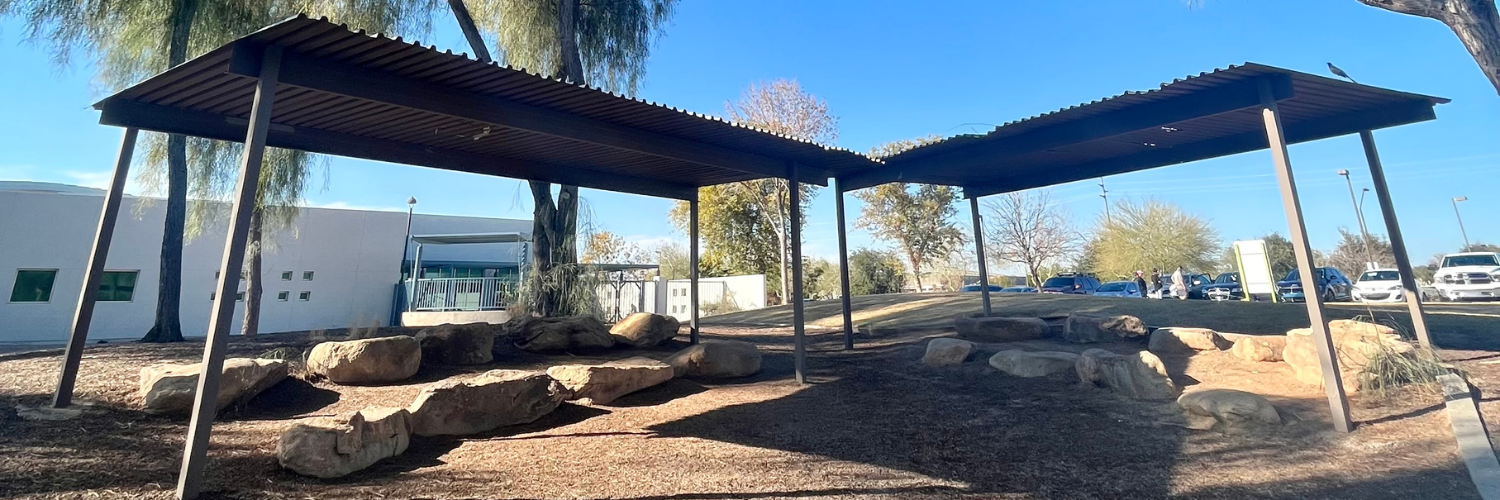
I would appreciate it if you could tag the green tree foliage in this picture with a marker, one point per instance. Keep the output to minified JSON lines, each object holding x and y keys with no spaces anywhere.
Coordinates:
{"x":1152,"y":234}
{"x":747,"y":225}
{"x":1351,"y":254}
{"x":129,"y":40}
{"x":672,"y":262}
{"x":820,"y":279}
{"x":874,"y":272}
{"x":1279,"y":256}
{"x":917,"y":218}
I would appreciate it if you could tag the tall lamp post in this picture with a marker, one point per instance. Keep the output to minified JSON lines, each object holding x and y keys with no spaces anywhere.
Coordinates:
{"x":1359,"y":214}
{"x":411,"y":206}
{"x":1461,"y":219}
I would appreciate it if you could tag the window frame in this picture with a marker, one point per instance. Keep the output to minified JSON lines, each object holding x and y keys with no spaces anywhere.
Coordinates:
{"x":136,"y":272}
{"x":11,"y":299}
{"x":284,"y":296}
{"x":286,"y":276}
{"x":304,"y":296}
{"x":307,"y":275}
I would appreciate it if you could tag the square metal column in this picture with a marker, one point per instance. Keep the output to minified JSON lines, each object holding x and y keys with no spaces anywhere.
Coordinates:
{"x":799,"y":337}
{"x":84,"y":315}
{"x":1398,"y":242}
{"x":1332,"y":380}
{"x":205,"y":404}
{"x":693,"y":267}
{"x":984,"y":273}
{"x":838,"y":209}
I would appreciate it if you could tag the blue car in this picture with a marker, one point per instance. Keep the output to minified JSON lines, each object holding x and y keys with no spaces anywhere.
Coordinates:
{"x":1118,"y":289}
{"x":1332,"y":286}
{"x":975,"y":288}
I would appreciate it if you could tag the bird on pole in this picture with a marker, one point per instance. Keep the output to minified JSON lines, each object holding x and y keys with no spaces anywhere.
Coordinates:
{"x":1340,"y":73}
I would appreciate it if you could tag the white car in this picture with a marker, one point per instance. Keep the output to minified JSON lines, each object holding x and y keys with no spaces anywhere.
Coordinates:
{"x":1378,"y":285}
{"x":1471,"y":275}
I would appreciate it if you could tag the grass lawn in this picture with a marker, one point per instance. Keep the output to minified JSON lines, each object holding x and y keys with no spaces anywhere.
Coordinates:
{"x":1453,"y":326}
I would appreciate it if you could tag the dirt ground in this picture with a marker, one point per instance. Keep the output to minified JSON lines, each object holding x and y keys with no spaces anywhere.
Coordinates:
{"x":872,"y":423}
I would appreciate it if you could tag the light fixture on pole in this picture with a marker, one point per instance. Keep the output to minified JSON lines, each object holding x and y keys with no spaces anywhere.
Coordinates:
{"x":1461,"y":219}
{"x":1360,"y":216}
{"x":411,"y":205}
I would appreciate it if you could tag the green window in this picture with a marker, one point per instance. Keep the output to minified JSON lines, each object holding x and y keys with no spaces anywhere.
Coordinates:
{"x":33,"y":285}
{"x":117,"y":286}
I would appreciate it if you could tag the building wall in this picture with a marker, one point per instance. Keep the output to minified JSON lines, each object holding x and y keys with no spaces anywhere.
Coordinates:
{"x":355,"y":257}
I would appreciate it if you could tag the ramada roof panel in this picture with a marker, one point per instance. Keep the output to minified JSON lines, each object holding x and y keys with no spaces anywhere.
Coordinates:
{"x":1205,"y":116}
{"x":348,"y":93}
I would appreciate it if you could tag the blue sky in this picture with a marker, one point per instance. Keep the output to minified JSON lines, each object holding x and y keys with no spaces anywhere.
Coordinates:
{"x":893,"y":70}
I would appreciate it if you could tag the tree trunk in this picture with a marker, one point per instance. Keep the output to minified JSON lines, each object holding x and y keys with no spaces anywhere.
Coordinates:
{"x":253,"y":285}
{"x":1478,"y":26}
{"x":168,"y":326}
{"x":783,"y":194}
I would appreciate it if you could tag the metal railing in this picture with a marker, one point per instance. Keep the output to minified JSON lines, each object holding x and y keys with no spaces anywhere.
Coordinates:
{"x":463,"y":294}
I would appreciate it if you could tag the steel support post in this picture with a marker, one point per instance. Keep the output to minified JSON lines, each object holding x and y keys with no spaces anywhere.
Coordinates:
{"x":838,"y":192}
{"x":799,"y":337}
{"x":205,"y":404}
{"x":84,"y":315}
{"x":1332,"y":380}
{"x":1398,"y":242}
{"x":693,"y":267}
{"x":984,"y":273}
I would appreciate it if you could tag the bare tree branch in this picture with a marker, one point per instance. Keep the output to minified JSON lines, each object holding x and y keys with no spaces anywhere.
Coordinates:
{"x":1425,"y":8}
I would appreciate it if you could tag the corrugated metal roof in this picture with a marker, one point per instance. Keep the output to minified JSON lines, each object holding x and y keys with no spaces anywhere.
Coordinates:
{"x":1209,"y":115}
{"x":355,"y":94}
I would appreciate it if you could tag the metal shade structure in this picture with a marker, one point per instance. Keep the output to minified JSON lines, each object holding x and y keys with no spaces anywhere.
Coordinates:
{"x":315,"y":86}
{"x":1243,"y":108}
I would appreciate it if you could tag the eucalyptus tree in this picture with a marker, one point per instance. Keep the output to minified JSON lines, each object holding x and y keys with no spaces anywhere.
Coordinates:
{"x":129,"y":40}
{"x":600,"y":42}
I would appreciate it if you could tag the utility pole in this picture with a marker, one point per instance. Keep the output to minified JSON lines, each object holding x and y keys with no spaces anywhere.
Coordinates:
{"x":1104,"y":193}
{"x":1364,"y":234}
{"x":1461,"y":219}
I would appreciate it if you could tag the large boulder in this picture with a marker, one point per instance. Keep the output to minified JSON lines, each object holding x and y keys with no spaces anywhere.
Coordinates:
{"x":469,"y":344}
{"x":1000,"y":329}
{"x":645,"y":329}
{"x":1265,"y":348}
{"x":602,"y":384}
{"x":1033,"y":363}
{"x":1354,"y":342}
{"x":329,"y":447}
{"x":170,"y":389}
{"x":567,"y":333}
{"x":493,"y":399}
{"x":366,"y":361}
{"x":947,"y":352}
{"x":1178,"y":340}
{"x":716,"y":359}
{"x":1091,"y":328}
{"x":1140,"y":376}
{"x":1227,"y":410}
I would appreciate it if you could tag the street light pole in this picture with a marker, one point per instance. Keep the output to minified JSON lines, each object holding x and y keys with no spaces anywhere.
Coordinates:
{"x":1461,"y":219}
{"x":411,"y":205}
{"x":1359,"y":214}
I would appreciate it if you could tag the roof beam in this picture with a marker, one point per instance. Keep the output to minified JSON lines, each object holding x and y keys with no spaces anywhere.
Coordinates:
{"x":991,"y":154}
{"x":353,"y":81}
{"x":1348,"y":123}
{"x":158,"y":118}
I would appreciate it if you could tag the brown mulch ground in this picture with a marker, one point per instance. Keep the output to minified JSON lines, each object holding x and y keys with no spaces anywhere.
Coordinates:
{"x":873,"y":423}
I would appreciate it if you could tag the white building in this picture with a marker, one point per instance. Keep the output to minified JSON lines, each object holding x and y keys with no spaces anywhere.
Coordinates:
{"x":338,"y":268}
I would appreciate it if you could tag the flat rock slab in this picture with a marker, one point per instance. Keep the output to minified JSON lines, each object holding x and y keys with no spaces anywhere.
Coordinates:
{"x":1227,"y":410}
{"x":645,"y":329}
{"x":947,"y":352}
{"x":716,"y":359}
{"x":1093,"y":328}
{"x":171,"y":389}
{"x":1180,"y":340}
{"x":366,"y":361}
{"x":493,"y":399}
{"x":569,"y":333}
{"x":1139,"y":376}
{"x":1000,"y":329}
{"x":602,"y":384}
{"x":329,"y":447}
{"x":1033,"y":363}
{"x":468,"y":344}
{"x":1259,"y":349}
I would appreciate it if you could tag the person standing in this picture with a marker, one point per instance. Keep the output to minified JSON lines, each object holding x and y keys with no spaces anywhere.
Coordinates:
{"x":1155,"y":283}
{"x":1140,"y":283}
{"x":1179,"y":284}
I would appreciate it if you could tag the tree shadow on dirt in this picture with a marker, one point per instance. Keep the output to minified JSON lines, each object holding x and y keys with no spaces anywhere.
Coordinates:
{"x":287,"y":399}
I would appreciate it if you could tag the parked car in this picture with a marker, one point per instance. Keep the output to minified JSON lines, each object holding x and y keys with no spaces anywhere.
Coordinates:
{"x":1118,"y":289}
{"x":1379,"y":285}
{"x":1195,"y":284}
{"x":1225,"y":287}
{"x":1470,"y":275}
{"x":975,"y":288}
{"x":1019,"y":289}
{"x":1071,"y":283}
{"x":1331,"y":285}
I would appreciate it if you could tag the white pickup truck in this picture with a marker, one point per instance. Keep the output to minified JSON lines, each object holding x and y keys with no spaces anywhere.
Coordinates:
{"x":1469,"y":275}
